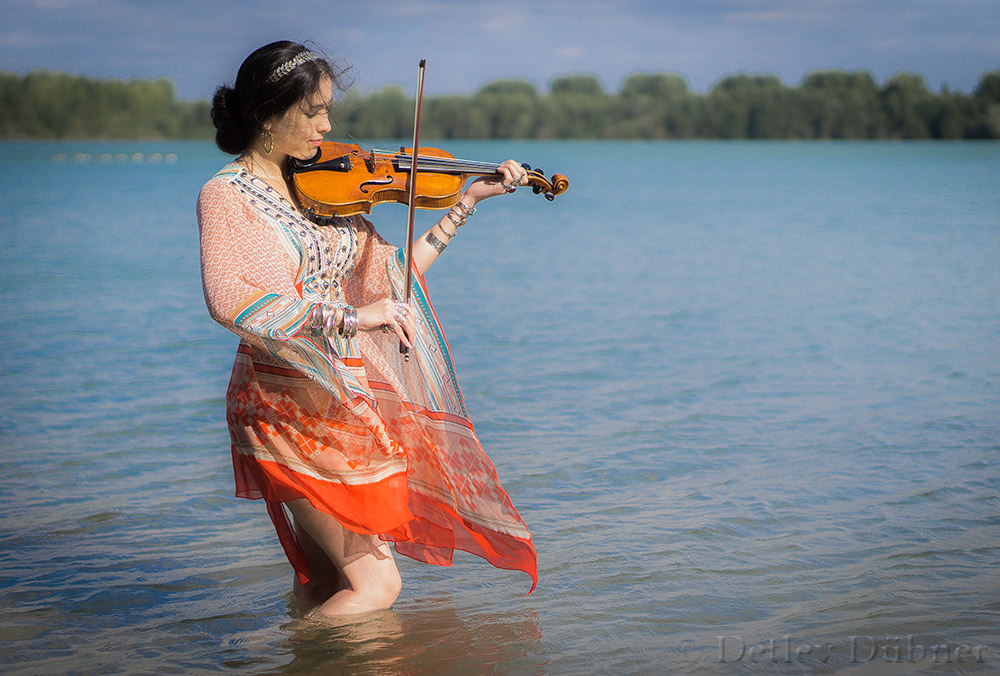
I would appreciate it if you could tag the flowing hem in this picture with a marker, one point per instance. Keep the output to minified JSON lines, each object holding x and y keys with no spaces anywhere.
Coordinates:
{"x":412,"y":536}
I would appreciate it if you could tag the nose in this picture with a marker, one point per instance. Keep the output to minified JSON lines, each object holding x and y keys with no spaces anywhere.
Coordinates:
{"x":324,"y":124}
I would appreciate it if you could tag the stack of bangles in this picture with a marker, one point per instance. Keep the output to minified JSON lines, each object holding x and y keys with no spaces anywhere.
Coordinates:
{"x":324,"y":321}
{"x":458,"y":215}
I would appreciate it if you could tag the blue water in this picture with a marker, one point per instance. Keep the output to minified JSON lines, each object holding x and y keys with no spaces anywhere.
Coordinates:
{"x":746,"y":396}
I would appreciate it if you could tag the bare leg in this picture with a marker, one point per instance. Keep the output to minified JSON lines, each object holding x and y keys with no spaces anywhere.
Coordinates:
{"x":326,"y":579}
{"x":370,"y":580}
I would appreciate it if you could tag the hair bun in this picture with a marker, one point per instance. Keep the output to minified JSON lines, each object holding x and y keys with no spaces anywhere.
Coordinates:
{"x":231,"y":132}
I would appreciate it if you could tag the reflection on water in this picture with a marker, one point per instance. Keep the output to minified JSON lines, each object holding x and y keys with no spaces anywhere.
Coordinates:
{"x":434,"y":638}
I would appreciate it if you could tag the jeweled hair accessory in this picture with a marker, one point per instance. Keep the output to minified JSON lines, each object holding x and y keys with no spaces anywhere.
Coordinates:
{"x":288,"y":66}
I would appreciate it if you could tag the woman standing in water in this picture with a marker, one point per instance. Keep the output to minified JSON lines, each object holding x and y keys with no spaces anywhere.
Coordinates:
{"x":328,"y":422}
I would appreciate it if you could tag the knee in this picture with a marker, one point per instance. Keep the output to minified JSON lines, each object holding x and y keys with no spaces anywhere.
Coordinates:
{"x":378,"y":589}
{"x":386,"y":590}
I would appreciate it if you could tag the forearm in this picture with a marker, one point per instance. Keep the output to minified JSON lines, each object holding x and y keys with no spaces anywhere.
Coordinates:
{"x":432,"y":243}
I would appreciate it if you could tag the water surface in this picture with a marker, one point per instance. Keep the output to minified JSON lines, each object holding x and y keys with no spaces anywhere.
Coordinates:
{"x":746,"y":396}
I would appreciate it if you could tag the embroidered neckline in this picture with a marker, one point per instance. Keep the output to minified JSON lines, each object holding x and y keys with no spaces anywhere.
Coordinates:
{"x":323,"y":254}
{"x":263,"y":187}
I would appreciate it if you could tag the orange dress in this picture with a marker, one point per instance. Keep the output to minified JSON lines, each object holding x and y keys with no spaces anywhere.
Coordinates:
{"x":382,"y":444}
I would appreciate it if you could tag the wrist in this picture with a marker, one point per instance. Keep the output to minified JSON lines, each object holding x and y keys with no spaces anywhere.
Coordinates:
{"x":332,"y":320}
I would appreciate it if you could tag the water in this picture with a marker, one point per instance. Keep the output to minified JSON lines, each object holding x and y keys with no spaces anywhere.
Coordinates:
{"x":746,"y":395}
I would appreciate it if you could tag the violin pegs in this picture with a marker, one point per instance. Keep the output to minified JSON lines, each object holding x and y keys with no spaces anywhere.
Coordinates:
{"x":527,"y":167}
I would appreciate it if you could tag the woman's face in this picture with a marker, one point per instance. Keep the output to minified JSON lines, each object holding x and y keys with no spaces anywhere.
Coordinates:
{"x":299,"y":130}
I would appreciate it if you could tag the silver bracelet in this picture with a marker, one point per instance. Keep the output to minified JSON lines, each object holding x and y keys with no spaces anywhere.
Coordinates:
{"x":349,"y":325}
{"x":468,"y":210}
{"x":449,"y":234}
{"x":316,"y":321}
{"x":458,"y":220}
{"x":435,"y":243}
{"x":344,"y":321}
{"x":330,"y":321}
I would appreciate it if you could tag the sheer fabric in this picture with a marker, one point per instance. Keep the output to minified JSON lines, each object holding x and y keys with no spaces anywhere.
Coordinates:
{"x":382,"y":444}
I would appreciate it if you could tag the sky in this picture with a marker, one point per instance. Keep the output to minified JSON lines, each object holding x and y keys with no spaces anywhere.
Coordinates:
{"x":199,"y":44}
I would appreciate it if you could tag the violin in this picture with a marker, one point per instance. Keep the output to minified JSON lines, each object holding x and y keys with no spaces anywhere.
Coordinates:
{"x":343,"y":179}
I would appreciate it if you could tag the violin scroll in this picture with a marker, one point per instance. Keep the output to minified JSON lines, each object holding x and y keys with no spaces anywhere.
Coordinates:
{"x":542,"y":185}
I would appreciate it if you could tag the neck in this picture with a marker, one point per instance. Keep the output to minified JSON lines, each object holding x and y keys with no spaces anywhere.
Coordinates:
{"x":265,"y":165}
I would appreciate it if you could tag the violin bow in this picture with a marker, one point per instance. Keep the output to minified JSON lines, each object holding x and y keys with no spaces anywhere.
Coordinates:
{"x":403,"y":350}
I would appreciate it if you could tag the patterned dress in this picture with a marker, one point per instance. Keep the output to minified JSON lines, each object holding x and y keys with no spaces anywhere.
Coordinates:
{"x":383,"y":445}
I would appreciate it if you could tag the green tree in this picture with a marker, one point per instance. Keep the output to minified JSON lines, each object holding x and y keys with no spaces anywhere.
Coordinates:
{"x":510,"y":108}
{"x":986,"y":102}
{"x":453,"y":117}
{"x":654,"y":105}
{"x":577,"y":107}
{"x":988,"y":88}
{"x":841,"y":105}
{"x":745,"y":106}
{"x":386,"y":114}
{"x":907,"y":105}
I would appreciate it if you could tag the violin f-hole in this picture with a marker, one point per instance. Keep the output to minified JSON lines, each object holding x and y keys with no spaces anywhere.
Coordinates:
{"x":381,"y":181}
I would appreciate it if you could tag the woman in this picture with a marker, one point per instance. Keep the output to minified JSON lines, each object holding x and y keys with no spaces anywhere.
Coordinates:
{"x":327,"y":420}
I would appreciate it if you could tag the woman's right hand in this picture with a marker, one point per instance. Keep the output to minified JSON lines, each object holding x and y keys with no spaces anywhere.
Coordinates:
{"x":388,"y":315}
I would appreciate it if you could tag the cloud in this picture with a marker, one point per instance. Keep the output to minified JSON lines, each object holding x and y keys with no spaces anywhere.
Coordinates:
{"x":769,"y":16}
{"x":61,"y":4}
{"x":22,"y":38}
{"x":569,"y":53}
{"x":503,"y":24}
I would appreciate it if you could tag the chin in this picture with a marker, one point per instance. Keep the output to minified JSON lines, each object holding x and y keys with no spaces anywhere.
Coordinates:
{"x":306,"y":154}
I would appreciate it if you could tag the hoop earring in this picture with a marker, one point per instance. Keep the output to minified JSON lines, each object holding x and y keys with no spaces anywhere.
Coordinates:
{"x":268,"y":139}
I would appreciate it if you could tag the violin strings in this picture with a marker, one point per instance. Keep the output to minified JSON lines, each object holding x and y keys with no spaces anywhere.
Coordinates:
{"x":442,"y":164}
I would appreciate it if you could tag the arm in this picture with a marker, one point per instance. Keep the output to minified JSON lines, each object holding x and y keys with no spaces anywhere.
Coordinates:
{"x":248,"y":278}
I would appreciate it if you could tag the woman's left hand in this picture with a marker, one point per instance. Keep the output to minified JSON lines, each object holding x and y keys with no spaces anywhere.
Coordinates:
{"x":510,"y":175}
{"x":390,"y":317}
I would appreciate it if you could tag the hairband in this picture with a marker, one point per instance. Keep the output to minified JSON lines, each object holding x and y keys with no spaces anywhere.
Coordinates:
{"x":288,"y":66}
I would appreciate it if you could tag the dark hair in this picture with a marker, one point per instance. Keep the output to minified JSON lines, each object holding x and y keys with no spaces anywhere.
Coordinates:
{"x":238,"y":112}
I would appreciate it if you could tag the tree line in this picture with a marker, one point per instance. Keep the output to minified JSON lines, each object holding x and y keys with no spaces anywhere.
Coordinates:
{"x":827,"y":105}
{"x":53,"y":105}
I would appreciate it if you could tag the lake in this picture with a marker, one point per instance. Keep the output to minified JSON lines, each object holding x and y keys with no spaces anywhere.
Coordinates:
{"x":746,"y":395}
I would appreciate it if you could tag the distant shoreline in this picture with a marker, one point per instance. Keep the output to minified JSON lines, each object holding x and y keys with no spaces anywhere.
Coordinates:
{"x":828,"y":105}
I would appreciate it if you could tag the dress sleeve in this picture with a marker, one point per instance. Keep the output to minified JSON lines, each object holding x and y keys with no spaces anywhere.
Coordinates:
{"x":249,"y":279}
